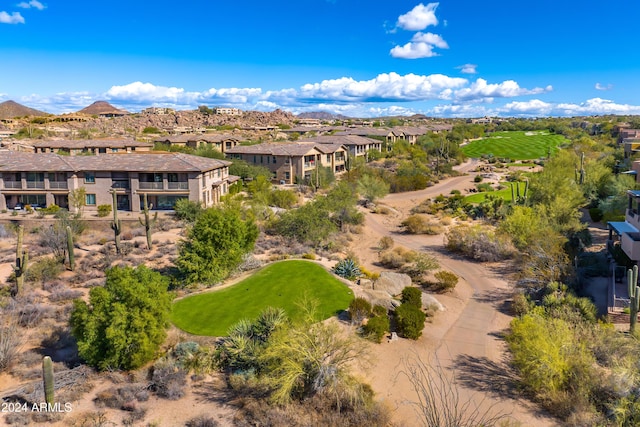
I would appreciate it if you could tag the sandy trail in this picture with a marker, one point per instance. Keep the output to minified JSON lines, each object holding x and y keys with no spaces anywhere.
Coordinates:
{"x":464,"y":341}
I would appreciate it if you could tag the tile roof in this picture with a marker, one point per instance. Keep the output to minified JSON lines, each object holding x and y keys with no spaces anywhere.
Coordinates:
{"x":91,"y":143}
{"x":342,"y":140}
{"x":15,"y":161}
{"x":274,"y":149}
{"x":196,"y":137}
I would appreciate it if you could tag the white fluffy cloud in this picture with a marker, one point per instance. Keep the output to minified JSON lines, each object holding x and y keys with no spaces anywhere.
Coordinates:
{"x":31,"y":4}
{"x":420,"y":46}
{"x":468,"y":68}
{"x":385,"y":87}
{"x":481,"y":89}
{"x":418,"y":18}
{"x":14,"y":18}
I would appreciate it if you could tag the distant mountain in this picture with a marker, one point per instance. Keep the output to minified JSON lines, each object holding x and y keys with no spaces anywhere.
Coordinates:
{"x":11,"y":109}
{"x":101,"y":107}
{"x":322,"y":115}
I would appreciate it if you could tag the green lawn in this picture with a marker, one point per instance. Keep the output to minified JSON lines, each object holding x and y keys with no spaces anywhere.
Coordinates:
{"x":282,"y":284}
{"x":505,"y":193}
{"x":517,"y":145}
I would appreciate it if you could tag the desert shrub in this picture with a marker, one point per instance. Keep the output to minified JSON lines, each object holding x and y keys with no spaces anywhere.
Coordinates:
{"x":484,"y":187}
{"x":422,"y":263}
{"x":284,"y":199}
{"x":202,"y":421}
{"x":168,"y":380}
{"x":11,"y":340}
{"x":596,"y":214}
{"x":410,"y":321}
{"x":521,"y":304}
{"x":359,"y":309}
{"x":372,"y":275}
{"x":445,"y":280}
{"x":104,"y":210}
{"x":187,"y":210}
{"x":477,"y":178}
{"x":60,"y":294}
{"x":386,"y":242}
{"x":347,"y":268}
{"x":376,"y":327}
{"x":379,"y":310}
{"x":184,"y":351}
{"x":310,"y":256}
{"x":397,"y":257}
{"x":414,"y":224}
{"x":479,"y":242}
{"x":44,"y":270}
{"x":412,"y":296}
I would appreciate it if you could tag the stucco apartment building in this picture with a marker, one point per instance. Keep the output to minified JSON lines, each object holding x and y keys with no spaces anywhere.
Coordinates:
{"x":218,"y":142}
{"x":288,"y":161}
{"x":91,"y":146}
{"x":358,"y":146}
{"x":45,"y":178}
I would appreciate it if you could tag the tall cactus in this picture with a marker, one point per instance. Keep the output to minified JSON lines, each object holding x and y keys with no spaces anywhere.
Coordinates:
{"x":48,"y":380}
{"x":116,"y":224}
{"x":22,"y":260}
{"x":148,"y":223}
{"x":634,"y":297}
{"x":72,"y":255}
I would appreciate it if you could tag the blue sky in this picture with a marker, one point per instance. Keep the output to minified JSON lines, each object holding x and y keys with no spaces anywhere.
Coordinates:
{"x":453,"y":58}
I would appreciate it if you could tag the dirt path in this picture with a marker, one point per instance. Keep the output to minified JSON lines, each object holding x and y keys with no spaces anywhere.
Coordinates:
{"x":464,"y":341}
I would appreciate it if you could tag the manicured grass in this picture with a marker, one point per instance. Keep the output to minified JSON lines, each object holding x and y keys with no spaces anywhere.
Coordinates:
{"x":282,"y":284}
{"x":505,"y":193}
{"x":515,"y":145}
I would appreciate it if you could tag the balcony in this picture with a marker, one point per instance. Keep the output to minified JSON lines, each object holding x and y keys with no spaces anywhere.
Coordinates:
{"x":630,"y":243}
{"x":309,"y":165}
{"x":151,"y":186}
{"x":58,"y":185}
{"x":13,"y":184}
{"x":121,"y":185}
{"x":35,"y":184}
{"x":181,"y":185}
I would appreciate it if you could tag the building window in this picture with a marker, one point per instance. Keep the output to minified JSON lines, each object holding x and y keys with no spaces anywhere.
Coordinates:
{"x":90,"y":199}
{"x":287,"y":176}
{"x":328,"y":158}
{"x":114,"y":150}
{"x":89,"y":178}
{"x":274,"y":160}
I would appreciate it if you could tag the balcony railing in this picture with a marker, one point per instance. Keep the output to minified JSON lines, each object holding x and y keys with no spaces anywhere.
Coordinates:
{"x":183,"y":185}
{"x":151,"y":185}
{"x":13,"y":184}
{"x":35,"y":184}
{"x":120,"y":184}
{"x":57,"y":184}
{"x":308,"y":165}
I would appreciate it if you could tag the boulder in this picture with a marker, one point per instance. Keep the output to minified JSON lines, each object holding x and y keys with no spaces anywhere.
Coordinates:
{"x":365,"y":283}
{"x":428,"y":299}
{"x":392,"y":283}
{"x":380,"y":298}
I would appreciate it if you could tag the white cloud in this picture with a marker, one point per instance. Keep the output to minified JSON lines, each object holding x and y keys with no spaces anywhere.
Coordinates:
{"x":430,"y":38}
{"x":413,"y":51}
{"x":468,"y":68}
{"x":419,"y":18}
{"x":603,"y":87}
{"x":509,"y":88}
{"x":384,"y":87}
{"x":14,"y":18}
{"x":31,"y":4}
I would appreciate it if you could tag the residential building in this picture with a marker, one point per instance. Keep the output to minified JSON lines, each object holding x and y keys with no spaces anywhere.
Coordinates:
{"x":91,"y":146}
{"x":159,"y":111}
{"x":45,"y":178}
{"x":227,"y":111}
{"x":358,"y":146}
{"x":217,"y":141}
{"x":288,"y":161}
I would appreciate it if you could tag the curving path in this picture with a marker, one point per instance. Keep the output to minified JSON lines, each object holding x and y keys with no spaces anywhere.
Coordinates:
{"x":464,"y":341}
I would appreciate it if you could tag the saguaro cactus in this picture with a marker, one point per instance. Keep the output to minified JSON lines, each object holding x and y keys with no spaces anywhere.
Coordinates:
{"x":116,"y":225}
{"x":634,"y":297}
{"x":48,"y":380}
{"x":22,"y":259}
{"x":72,"y":255}
{"x":148,"y":223}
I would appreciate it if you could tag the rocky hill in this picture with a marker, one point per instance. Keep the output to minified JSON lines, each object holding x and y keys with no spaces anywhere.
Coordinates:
{"x":11,"y":109}
{"x":101,"y":107}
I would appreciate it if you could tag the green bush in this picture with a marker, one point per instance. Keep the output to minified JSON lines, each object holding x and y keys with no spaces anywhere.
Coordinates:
{"x":478,"y":178}
{"x":187,"y":210}
{"x":376,"y":328}
{"x":446,"y":280}
{"x":412,"y":296}
{"x":410,"y":321}
{"x":104,"y":210}
{"x":49,"y":210}
{"x":379,"y":310}
{"x":359,"y":309}
{"x":596,"y":214}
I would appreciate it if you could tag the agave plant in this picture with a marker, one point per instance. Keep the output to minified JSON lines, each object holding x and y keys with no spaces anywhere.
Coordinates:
{"x":348,"y":269}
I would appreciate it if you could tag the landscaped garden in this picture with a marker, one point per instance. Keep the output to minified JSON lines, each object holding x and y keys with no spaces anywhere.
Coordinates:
{"x":283,"y":284}
{"x":516,"y":145}
{"x":505,"y":193}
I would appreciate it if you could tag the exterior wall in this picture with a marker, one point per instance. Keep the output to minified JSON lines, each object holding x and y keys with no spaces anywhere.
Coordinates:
{"x":206,"y":188}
